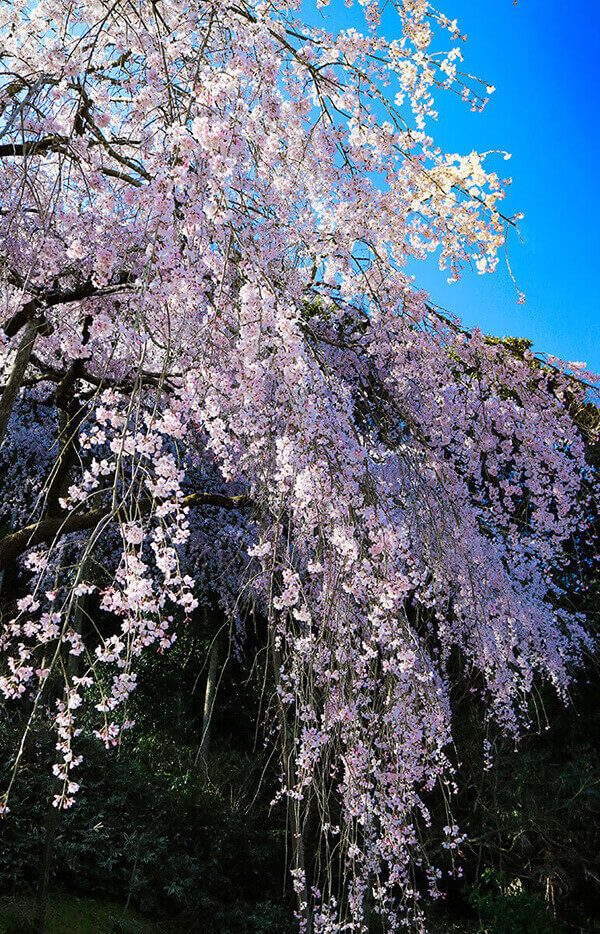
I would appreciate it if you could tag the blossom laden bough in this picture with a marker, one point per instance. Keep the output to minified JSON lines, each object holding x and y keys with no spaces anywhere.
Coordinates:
{"x":217,"y":375}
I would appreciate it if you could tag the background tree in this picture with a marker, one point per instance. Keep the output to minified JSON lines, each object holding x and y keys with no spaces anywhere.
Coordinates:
{"x":217,"y":369}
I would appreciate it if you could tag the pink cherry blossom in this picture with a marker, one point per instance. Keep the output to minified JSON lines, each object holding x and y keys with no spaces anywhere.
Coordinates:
{"x":217,"y":374}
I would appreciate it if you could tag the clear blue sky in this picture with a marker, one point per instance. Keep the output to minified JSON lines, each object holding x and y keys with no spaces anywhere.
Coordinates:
{"x":541,"y":56}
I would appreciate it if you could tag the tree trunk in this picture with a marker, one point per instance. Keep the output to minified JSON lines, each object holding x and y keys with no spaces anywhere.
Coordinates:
{"x":41,"y":895}
{"x":13,"y":519}
{"x":209,"y":701}
{"x":15,"y":379}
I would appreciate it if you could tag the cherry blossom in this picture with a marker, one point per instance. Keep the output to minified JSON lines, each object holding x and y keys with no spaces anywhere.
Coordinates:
{"x":220,"y":384}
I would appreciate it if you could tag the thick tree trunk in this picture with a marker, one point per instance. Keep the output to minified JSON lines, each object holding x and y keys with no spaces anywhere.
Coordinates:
{"x":43,"y":886}
{"x":15,"y":379}
{"x":13,"y":519}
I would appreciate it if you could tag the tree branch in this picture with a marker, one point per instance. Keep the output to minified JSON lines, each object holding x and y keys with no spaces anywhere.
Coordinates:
{"x":52,"y":297}
{"x":33,"y":146}
{"x":46,"y":530}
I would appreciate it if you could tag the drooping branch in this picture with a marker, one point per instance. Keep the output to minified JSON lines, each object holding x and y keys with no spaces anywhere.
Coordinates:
{"x":60,"y":144}
{"x":31,"y":316}
{"x":47,"y":530}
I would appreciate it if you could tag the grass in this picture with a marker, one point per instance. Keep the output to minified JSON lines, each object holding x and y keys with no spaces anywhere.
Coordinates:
{"x":68,"y":914}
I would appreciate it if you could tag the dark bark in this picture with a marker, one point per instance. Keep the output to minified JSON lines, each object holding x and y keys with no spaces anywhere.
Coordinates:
{"x":71,"y":413}
{"x":47,"y":530}
{"x":15,"y":381}
{"x":49,"y":298}
{"x":41,"y":895}
{"x":32,"y":147}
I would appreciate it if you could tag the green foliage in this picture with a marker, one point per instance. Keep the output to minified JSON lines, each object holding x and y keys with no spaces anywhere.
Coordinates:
{"x":190,"y":847}
{"x":532,"y":819}
{"x":150,"y":826}
{"x":507,"y":908}
{"x":72,"y":915}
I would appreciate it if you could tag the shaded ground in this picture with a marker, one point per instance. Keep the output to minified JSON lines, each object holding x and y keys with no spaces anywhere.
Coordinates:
{"x":70,"y":915}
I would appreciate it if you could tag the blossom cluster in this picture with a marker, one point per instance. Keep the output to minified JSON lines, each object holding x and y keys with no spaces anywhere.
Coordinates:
{"x":227,"y":389}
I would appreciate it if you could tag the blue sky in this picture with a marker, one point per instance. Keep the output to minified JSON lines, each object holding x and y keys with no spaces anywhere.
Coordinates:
{"x":541,"y":57}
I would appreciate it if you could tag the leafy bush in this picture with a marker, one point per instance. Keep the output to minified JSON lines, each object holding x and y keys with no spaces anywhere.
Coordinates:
{"x":150,"y":827}
{"x":507,"y":908}
{"x":167,"y":849}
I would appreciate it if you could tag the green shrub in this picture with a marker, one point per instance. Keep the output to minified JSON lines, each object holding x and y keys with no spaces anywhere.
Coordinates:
{"x":505,"y":907}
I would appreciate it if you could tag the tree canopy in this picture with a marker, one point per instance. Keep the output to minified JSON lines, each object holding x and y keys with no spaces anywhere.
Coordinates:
{"x":221,"y":384}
